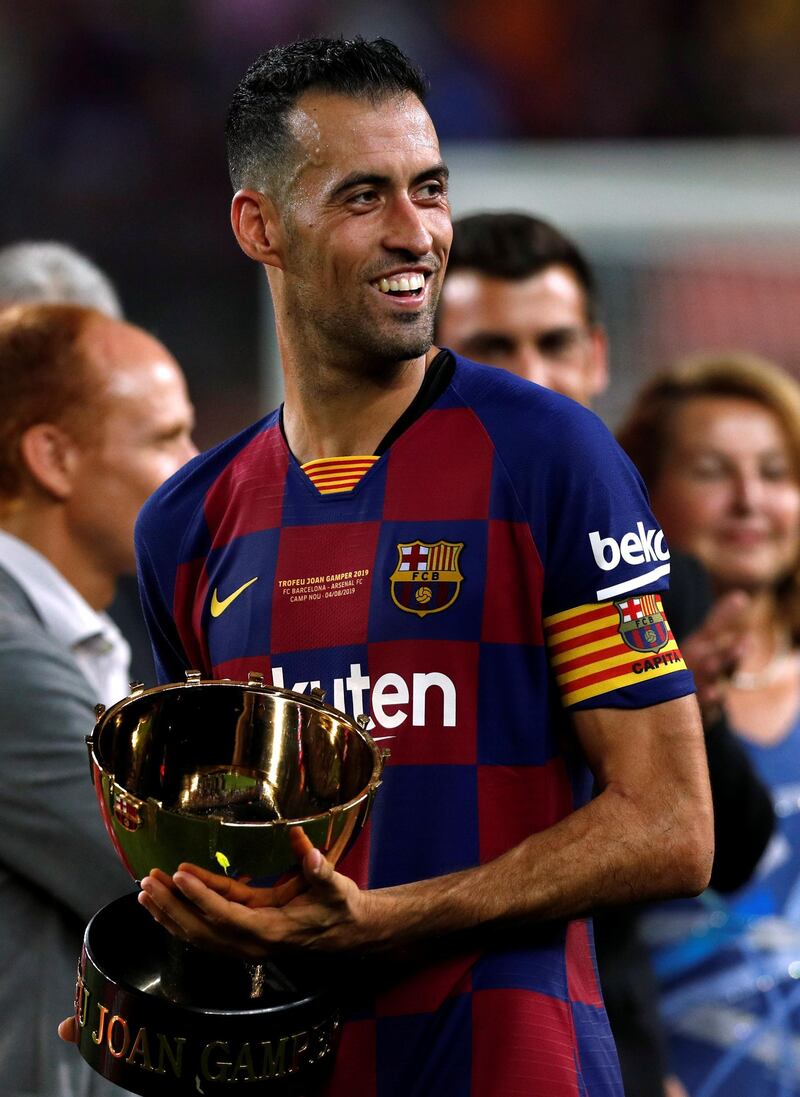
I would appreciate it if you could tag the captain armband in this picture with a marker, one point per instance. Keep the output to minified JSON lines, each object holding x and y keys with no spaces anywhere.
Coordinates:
{"x":600,"y":647}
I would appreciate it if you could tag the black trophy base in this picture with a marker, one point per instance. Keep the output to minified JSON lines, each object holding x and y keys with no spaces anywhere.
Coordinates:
{"x":161,"y":1018}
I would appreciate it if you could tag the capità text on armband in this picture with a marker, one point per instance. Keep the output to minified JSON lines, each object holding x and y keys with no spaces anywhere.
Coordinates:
{"x":656,"y":661}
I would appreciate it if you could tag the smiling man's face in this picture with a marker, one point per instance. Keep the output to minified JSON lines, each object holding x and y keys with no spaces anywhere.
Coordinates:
{"x":367,"y":225}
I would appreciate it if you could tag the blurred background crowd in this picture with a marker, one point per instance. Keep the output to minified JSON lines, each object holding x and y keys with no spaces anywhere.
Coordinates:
{"x":660,"y":135}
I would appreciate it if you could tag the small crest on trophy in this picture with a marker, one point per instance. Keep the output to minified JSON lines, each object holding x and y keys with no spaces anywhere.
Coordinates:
{"x":127,"y":810}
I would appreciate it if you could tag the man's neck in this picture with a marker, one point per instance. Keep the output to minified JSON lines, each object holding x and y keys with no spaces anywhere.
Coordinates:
{"x":46,"y":534}
{"x":337,"y":413}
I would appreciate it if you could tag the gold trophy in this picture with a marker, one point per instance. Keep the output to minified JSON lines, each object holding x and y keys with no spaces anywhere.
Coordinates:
{"x":216,"y":773}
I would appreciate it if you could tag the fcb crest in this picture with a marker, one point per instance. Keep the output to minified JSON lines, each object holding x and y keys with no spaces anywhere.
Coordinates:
{"x":642,"y":624}
{"x":427,"y":577}
{"x":127,"y":809}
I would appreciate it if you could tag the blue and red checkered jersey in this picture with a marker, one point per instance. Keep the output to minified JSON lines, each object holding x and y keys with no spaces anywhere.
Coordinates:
{"x":497,"y":565}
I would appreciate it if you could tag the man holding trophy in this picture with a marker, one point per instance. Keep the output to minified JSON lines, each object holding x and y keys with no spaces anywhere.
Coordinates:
{"x":466,"y":559}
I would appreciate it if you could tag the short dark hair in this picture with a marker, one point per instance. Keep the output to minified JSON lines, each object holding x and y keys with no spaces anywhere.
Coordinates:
{"x":516,"y":246}
{"x":257,"y":134}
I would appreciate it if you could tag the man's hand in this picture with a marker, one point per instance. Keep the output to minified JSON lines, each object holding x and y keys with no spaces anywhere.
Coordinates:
{"x":330,"y":913}
{"x":713,"y":650}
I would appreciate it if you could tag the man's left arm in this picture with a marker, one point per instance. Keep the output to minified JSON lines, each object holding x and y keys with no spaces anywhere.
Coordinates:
{"x":647,"y":834}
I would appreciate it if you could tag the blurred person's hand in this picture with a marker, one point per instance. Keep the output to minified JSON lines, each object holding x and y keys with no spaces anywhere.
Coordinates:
{"x":68,"y":1030}
{"x":674,"y":1087}
{"x":713,"y":650}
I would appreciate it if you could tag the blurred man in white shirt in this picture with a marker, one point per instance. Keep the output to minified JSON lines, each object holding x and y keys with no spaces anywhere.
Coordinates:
{"x":96,"y":416}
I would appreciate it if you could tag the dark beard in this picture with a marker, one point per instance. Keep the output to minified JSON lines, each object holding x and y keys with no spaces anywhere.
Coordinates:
{"x":409,"y":337}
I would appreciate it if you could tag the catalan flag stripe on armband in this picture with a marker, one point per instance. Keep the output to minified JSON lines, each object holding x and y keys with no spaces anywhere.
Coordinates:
{"x":595,"y":649}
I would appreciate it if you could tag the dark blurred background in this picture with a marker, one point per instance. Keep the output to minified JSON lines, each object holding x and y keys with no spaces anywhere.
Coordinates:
{"x":663,"y":135}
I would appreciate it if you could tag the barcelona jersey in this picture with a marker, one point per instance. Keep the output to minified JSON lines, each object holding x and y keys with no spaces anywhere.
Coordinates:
{"x":496,"y":566}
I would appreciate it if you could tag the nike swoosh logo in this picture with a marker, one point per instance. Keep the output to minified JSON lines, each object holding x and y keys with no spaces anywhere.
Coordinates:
{"x":218,"y":607}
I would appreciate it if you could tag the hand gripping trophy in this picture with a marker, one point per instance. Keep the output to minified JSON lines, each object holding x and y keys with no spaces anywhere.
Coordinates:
{"x":234,"y":777}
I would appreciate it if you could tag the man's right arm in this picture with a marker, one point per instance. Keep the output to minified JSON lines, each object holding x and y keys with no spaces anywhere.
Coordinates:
{"x":648,"y":834}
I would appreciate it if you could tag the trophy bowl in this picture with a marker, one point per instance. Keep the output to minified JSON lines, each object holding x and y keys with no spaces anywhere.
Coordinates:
{"x":216,"y":773}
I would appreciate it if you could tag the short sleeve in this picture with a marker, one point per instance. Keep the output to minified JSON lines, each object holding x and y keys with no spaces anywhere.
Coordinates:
{"x":168,"y":655}
{"x":603,"y":541}
{"x":156,"y":569}
{"x":609,"y":641}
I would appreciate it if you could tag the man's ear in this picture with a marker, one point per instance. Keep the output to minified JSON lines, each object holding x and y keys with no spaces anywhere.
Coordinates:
{"x":51,"y":458}
{"x":599,"y":340}
{"x":256,"y":226}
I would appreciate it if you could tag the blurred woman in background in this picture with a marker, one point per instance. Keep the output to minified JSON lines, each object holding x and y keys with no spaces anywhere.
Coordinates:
{"x":717,"y":441}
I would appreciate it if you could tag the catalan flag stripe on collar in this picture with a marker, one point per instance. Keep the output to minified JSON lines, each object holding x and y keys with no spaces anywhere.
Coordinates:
{"x":337,"y":474}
